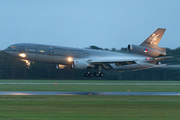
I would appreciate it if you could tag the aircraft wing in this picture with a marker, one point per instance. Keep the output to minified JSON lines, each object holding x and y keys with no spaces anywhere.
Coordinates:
{"x":129,"y":63}
{"x":112,"y":60}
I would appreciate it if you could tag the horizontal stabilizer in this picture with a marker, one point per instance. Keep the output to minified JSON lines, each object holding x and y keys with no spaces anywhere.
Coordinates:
{"x":162,"y":58}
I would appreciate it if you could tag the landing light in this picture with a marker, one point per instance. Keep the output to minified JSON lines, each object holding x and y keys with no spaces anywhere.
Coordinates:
{"x":69,"y":59}
{"x":22,"y":55}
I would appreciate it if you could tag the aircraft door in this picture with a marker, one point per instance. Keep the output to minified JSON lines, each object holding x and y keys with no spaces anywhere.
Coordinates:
{"x":51,"y":55}
{"x":22,"y":49}
{"x":50,"y":51}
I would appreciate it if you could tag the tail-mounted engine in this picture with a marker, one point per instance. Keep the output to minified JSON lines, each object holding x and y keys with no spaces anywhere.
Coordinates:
{"x":151,"y":52}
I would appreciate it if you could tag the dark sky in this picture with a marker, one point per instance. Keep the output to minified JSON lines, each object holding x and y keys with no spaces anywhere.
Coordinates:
{"x":82,"y":23}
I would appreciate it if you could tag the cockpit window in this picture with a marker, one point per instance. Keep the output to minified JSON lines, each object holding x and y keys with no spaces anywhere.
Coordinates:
{"x":12,"y":47}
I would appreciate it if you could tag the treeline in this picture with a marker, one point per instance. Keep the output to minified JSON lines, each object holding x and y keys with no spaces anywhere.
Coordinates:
{"x":11,"y":68}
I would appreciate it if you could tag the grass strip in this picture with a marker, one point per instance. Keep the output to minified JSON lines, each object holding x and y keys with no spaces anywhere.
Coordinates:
{"x":91,"y":88}
{"x":84,"y":81}
{"x":89,"y":107}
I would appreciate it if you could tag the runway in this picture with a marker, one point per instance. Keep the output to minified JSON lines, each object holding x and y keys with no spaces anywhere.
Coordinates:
{"x":89,"y":84}
{"x":89,"y":93}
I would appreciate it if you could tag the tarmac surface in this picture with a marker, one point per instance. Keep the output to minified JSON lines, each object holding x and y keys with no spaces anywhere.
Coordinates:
{"x":89,"y":93}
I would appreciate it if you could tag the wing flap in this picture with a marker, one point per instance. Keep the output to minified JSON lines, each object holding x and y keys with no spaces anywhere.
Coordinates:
{"x":94,"y":61}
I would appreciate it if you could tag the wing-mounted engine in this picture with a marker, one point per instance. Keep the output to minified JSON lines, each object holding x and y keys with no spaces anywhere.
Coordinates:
{"x":79,"y":64}
{"x":147,"y":51}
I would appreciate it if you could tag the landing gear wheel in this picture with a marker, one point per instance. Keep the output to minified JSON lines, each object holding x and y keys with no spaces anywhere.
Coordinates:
{"x":158,"y":63}
{"x":96,"y":74}
{"x":101,"y":75}
{"x":86,"y":74}
{"x":90,"y":75}
{"x":27,"y":68}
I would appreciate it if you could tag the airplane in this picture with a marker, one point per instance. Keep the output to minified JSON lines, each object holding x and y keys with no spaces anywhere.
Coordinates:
{"x":144,"y":56}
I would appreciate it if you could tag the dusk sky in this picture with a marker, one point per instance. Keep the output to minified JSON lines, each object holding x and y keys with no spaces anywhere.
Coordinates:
{"x":82,"y":23}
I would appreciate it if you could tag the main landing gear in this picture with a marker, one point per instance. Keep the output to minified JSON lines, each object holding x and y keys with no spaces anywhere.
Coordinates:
{"x":96,"y":74}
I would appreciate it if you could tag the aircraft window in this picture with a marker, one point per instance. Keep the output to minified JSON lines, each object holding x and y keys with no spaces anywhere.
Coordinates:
{"x":41,"y":49}
{"x":30,"y":50}
{"x":57,"y":52}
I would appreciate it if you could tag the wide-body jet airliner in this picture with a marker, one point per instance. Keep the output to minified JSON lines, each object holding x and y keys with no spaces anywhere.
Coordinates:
{"x":143,"y":56}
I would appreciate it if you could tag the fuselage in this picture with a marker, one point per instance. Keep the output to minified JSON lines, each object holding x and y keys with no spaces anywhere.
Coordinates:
{"x":59,"y":54}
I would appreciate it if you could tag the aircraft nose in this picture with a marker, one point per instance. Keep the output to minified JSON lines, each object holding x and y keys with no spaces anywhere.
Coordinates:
{"x":6,"y":50}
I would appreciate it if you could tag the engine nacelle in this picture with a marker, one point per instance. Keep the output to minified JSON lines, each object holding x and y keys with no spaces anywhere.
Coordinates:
{"x":151,"y":52}
{"x":79,"y":65}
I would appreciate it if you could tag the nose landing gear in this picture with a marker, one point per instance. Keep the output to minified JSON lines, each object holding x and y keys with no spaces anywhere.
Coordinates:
{"x":28,"y":64}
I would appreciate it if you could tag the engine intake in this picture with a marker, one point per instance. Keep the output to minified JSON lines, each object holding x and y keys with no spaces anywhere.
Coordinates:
{"x":79,"y":65}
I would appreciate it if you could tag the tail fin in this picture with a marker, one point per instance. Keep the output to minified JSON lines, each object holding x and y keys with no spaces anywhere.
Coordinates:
{"x":153,"y":40}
